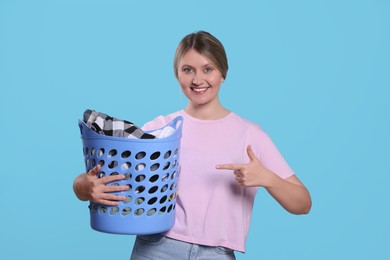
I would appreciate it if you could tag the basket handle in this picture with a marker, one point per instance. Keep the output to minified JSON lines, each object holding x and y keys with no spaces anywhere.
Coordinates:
{"x":176,"y":123}
{"x":85,"y":130}
{"x":81,"y":126}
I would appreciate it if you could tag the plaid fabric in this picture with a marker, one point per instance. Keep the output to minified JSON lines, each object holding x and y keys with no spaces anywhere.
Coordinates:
{"x":107,"y":125}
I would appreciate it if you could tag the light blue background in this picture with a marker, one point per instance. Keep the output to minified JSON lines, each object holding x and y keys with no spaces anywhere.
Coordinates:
{"x":314,"y":74}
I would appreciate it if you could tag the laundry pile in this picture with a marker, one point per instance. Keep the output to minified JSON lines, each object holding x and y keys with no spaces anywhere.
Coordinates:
{"x":104,"y":124}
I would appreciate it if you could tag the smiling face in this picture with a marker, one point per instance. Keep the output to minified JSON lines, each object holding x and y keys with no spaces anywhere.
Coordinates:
{"x":199,"y":79}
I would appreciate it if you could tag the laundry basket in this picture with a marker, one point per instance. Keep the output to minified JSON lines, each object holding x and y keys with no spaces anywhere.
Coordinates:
{"x":151,"y":169}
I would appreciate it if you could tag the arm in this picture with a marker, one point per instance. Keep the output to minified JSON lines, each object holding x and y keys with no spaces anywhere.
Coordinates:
{"x":87,"y":186}
{"x":290,"y":193}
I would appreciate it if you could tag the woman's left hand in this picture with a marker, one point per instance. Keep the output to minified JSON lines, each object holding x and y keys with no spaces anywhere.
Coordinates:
{"x":290,"y":192}
{"x":249,"y":174}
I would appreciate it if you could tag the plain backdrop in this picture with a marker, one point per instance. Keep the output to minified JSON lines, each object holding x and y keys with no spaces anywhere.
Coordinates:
{"x":314,"y":74}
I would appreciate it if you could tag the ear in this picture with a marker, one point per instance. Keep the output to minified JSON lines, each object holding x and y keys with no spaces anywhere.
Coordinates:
{"x":222,"y":80}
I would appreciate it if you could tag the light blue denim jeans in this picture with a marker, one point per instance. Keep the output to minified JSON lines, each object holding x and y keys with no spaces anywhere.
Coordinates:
{"x":160,"y":247}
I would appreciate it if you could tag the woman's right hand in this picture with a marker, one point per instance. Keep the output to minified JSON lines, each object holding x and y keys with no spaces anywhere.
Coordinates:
{"x":88,"y":186}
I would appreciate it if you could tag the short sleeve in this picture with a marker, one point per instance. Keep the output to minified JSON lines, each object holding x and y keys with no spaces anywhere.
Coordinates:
{"x":271,"y":157}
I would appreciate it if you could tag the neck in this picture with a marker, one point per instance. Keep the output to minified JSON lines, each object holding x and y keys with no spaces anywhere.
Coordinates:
{"x":207,"y":111}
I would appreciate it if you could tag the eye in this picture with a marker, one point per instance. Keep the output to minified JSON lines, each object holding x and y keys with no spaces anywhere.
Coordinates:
{"x":208,"y":70}
{"x":187,"y":70}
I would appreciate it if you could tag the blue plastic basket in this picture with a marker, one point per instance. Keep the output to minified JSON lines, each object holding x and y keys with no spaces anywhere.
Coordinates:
{"x":151,"y":169}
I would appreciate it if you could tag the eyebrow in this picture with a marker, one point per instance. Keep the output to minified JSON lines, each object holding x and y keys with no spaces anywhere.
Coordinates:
{"x":206,"y":65}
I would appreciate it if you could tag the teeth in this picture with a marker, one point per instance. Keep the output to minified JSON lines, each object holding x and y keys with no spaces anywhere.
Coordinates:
{"x":199,"y":89}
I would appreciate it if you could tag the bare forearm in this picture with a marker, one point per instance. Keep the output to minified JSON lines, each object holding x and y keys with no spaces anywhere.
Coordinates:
{"x":294,"y":197}
{"x":78,"y":190}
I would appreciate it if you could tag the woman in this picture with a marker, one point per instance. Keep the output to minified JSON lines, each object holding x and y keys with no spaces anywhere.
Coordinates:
{"x":224,"y":159}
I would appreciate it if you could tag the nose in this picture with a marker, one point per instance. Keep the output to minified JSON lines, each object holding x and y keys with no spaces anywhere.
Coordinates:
{"x":197,"y":80}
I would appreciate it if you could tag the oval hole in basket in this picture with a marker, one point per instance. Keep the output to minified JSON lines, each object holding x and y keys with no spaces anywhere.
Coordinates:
{"x":166,"y":166}
{"x":103,"y":209}
{"x":127,"y":200}
{"x":154,"y":167}
{"x":94,"y":208}
{"x":151,"y":212}
{"x":139,"y":212}
{"x":125,"y":154}
{"x":171,"y":197}
{"x":155,"y":156}
{"x":174,"y":164}
{"x":140,"y":167}
{"x":101,"y":163}
{"x":125,"y":166}
{"x":154,"y":178}
{"x":163,"y":199}
{"x":101,"y":174}
{"x":126,"y":211}
{"x":101,"y":152}
{"x":152,"y":201}
{"x":164,"y":188}
{"x":112,"y":153}
{"x":114,"y":210}
{"x":153,"y":189}
{"x":140,"y":155}
{"x":139,"y":201}
{"x":167,"y":154}
{"x":139,"y":189}
{"x":112,"y":164}
{"x":165,"y":177}
{"x":140,"y":178}
{"x":162,"y":210}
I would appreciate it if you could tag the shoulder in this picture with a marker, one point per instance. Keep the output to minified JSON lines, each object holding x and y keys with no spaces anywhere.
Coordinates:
{"x":251,"y":127}
{"x":160,"y":121}
{"x":254,"y":134}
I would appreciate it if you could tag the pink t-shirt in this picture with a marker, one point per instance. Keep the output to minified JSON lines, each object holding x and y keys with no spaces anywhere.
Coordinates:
{"x":212,"y":208}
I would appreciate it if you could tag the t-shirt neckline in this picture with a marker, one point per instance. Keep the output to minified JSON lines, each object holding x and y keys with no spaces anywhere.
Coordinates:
{"x":205,"y":121}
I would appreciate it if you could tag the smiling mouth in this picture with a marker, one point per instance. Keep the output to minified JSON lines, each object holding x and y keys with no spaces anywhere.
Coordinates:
{"x":200,"y":90}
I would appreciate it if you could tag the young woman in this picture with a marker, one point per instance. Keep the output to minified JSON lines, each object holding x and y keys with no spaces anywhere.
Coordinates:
{"x":224,"y":160}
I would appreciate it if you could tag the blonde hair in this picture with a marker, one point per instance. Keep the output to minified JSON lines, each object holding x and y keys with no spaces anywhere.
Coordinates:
{"x":206,"y":44}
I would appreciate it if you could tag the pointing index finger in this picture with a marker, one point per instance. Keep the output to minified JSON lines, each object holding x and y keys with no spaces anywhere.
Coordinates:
{"x":228,"y":166}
